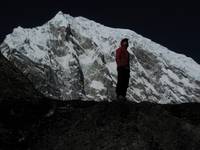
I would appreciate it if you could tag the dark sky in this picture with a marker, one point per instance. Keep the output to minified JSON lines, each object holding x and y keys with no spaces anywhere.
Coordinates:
{"x":177,"y":28}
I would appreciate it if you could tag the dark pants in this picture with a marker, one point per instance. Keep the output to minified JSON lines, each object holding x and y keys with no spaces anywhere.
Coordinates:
{"x":122,"y":81}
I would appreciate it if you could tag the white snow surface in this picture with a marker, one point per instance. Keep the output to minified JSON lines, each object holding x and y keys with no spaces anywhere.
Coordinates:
{"x":97,"y":85}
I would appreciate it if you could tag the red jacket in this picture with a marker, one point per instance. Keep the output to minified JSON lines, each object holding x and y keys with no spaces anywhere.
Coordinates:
{"x":122,"y":57}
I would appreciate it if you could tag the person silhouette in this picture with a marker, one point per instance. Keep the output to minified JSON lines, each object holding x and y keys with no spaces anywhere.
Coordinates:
{"x":123,"y":69}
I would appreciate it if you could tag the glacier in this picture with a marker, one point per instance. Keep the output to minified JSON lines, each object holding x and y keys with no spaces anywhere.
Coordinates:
{"x":71,"y":58}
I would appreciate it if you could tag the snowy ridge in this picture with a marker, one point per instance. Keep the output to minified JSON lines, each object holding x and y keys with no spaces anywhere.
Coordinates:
{"x":74,"y":57}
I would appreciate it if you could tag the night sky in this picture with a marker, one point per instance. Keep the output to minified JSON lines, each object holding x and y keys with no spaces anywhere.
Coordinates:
{"x":177,"y":28}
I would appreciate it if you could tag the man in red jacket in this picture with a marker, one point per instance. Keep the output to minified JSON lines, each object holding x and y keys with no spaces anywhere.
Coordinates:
{"x":123,"y":69}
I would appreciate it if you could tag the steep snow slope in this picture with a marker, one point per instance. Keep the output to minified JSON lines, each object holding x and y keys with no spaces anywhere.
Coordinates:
{"x":74,"y":57}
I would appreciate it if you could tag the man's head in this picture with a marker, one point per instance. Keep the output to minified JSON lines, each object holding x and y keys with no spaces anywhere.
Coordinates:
{"x":124,"y":43}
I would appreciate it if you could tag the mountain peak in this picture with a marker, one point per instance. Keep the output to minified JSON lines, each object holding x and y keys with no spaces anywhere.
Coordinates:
{"x":64,"y":61}
{"x":61,"y":19}
{"x":60,"y":13}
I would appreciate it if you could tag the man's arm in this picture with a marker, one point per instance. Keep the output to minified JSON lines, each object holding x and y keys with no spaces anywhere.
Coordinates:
{"x":118,"y":56}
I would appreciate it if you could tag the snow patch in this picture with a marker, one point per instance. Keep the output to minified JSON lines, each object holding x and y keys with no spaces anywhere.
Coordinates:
{"x":98,"y":85}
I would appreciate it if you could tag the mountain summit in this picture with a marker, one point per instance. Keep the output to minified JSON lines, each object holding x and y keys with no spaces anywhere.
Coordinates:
{"x":74,"y":58}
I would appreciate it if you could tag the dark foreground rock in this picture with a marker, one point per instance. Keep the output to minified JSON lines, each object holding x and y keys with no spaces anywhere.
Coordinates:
{"x":82,"y":125}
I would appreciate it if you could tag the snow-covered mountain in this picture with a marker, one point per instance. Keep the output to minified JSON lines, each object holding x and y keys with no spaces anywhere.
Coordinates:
{"x":74,"y":58}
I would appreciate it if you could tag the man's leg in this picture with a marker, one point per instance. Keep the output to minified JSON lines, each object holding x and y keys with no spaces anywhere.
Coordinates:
{"x":126,"y":81}
{"x":119,"y":82}
{"x":123,"y":82}
{"x":124,"y":85}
